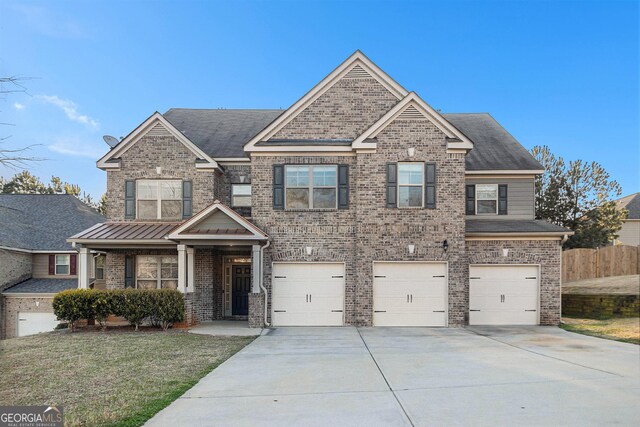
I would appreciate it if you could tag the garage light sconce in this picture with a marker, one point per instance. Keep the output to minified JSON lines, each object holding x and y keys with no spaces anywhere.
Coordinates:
{"x":505,"y":253}
{"x":411,"y":151}
{"x":37,"y":303}
{"x":412,"y":248}
{"x":159,"y":170}
{"x":309,"y":249}
{"x":445,"y":245}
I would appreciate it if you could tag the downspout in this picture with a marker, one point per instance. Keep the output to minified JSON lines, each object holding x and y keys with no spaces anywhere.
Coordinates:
{"x":261,"y":279}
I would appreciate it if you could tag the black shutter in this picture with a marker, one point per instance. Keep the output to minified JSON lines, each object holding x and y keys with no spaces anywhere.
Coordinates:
{"x":52,"y":265}
{"x":343,"y":186}
{"x":278,"y":187}
{"x":129,"y":267}
{"x":73,"y":264}
{"x":430,"y":186}
{"x":130,"y":199}
{"x":502,"y":199}
{"x":392,"y":185}
{"x":470,"y":198}
{"x":187,"y":197}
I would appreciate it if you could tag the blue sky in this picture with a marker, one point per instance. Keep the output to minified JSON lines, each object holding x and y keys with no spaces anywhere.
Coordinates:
{"x":564,"y":74}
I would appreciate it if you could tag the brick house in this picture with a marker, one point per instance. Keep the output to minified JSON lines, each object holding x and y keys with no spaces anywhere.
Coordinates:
{"x":358,"y":205}
{"x":36,"y":261}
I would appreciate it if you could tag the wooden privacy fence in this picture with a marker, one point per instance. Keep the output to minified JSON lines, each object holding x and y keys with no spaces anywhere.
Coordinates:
{"x":620,"y":260}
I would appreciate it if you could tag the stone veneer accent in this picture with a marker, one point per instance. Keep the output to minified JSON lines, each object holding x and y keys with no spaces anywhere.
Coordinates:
{"x":15,"y":305}
{"x":546,"y":253}
{"x":357,"y":102}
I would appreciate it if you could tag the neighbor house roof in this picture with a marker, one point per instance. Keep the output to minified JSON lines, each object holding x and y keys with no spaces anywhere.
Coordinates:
{"x":630,"y":203}
{"x":42,"y":286}
{"x":223,"y":133}
{"x":43,"y":222}
{"x":493,"y":147}
{"x":509,"y":226}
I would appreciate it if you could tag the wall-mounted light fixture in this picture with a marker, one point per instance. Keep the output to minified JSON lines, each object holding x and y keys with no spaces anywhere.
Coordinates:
{"x":159,"y":170}
{"x":412,"y":248}
{"x":505,"y":253}
{"x":445,"y":245}
{"x":37,"y":303}
{"x":242,"y":178}
{"x":411,"y":151}
{"x":309,"y":249}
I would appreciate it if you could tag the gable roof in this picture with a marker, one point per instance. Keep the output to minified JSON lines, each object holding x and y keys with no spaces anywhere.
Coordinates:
{"x":357,"y":63}
{"x":494,"y":148}
{"x":109,"y":160}
{"x":414,"y":106}
{"x":221,"y":133}
{"x":630,"y":203}
{"x":43,"y":222}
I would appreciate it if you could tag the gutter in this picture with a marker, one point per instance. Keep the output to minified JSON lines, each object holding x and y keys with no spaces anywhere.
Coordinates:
{"x":261,"y":280}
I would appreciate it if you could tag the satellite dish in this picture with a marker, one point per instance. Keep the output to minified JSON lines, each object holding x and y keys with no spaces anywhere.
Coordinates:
{"x":111,"y":141}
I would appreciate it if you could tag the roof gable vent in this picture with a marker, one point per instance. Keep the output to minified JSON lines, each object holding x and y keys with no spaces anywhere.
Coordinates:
{"x":158,"y":130}
{"x":357,"y":72}
{"x":411,"y":113}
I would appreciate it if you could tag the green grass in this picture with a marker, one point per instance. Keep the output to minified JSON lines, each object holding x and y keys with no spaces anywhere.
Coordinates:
{"x":110,"y":378}
{"x":618,"y":329}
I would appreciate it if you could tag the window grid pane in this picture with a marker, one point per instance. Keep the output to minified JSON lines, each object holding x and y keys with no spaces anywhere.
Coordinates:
{"x":159,"y":199}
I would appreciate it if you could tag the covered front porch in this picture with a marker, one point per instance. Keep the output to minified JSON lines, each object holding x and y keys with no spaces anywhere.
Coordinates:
{"x":214,"y":258}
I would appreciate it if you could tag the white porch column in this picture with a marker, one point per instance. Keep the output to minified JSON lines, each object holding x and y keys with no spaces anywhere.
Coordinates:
{"x":255,"y":269}
{"x":191,"y":262}
{"x":182,"y":268}
{"x":84,"y":268}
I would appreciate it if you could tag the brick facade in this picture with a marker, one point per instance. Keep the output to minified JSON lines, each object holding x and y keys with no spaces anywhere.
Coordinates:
{"x":13,"y":306}
{"x":14,"y":268}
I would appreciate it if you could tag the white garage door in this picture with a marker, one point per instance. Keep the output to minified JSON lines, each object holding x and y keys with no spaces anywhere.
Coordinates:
{"x":503,"y":295}
{"x":308,"y":294}
{"x":409,"y":294}
{"x":33,"y":323}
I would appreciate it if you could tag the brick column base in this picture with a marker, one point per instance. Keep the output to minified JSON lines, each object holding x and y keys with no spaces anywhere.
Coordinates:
{"x":256,"y":310}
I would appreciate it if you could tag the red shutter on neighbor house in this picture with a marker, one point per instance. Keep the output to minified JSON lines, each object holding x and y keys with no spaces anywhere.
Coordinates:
{"x":72,"y":267}
{"x":52,"y":265}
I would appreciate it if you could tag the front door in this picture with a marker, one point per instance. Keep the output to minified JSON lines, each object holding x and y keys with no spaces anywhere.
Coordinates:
{"x":241,"y":280}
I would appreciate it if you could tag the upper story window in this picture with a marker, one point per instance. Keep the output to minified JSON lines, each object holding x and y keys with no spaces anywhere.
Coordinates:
{"x":240,"y":195}
{"x":63,"y":265}
{"x":486,"y":199}
{"x":159,"y":199}
{"x":157,"y":272}
{"x":311,"y":186}
{"x":410,"y":185}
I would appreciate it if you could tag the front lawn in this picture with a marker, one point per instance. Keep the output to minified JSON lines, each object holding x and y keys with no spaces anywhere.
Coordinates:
{"x":108,"y":378}
{"x":619,"y":329}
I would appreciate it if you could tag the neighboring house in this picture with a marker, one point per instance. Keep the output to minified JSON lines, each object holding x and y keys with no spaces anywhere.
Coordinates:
{"x":629,"y":234}
{"x":358,"y":205}
{"x":35,"y":259}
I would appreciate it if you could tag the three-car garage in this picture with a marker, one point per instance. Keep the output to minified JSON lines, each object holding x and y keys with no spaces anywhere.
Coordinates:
{"x":404,"y":293}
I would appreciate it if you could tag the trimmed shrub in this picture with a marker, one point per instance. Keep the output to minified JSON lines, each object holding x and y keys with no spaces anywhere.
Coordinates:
{"x":72,"y":305}
{"x":167,"y":306}
{"x":101,"y":307}
{"x":136,"y":306}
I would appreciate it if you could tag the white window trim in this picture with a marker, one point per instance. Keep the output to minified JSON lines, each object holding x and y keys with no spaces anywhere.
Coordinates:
{"x":158,"y":199}
{"x":310,"y":187}
{"x":410,"y":185}
{"x":159,"y":279}
{"x":68,"y":264}
{"x":233,"y":195}
{"x":496,"y":199}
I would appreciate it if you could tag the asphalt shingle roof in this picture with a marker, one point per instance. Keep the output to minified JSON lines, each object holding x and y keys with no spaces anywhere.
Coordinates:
{"x":513,"y":226}
{"x":43,"y":286}
{"x":630,"y":203}
{"x":493,"y":147}
{"x":223,"y":133}
{"x":220,"y":133}
{"x":43,"y":222}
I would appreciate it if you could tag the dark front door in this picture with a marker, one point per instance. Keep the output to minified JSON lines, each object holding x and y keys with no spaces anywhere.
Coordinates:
{"x":241,"y":280}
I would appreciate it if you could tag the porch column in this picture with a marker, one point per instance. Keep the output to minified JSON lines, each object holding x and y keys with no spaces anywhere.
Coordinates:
{"x":182,"y":267}
{"x":84,"y":268}
{"x":191,"y":262}
{"x":255,"y":269}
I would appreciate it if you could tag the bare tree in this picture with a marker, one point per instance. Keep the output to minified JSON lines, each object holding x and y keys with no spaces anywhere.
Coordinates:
{"x":17,"y":157}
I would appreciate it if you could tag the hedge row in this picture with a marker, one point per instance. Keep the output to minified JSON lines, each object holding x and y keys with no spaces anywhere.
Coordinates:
{"x":160,"y":307}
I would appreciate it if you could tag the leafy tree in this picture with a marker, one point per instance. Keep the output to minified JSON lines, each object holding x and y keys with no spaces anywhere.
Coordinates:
{"x":25,"y":183}
{"x":580,"y":196}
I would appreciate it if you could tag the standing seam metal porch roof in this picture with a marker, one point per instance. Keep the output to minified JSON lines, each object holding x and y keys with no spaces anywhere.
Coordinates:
{"x":126,"y":231}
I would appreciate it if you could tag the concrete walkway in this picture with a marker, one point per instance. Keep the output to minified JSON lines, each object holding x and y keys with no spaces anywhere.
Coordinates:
{"x":417,"y":376}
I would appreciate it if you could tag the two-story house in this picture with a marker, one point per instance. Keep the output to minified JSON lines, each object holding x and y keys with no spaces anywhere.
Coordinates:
{"x":360,"y":204}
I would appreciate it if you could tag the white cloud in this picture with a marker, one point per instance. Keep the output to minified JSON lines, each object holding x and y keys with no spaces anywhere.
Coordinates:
{"x":70,"y":109}
{"x":75,"y":146}
{"x":18,"y":106}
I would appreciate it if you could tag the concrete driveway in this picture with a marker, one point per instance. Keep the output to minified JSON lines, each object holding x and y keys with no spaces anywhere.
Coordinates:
{"x":417,"y":376}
